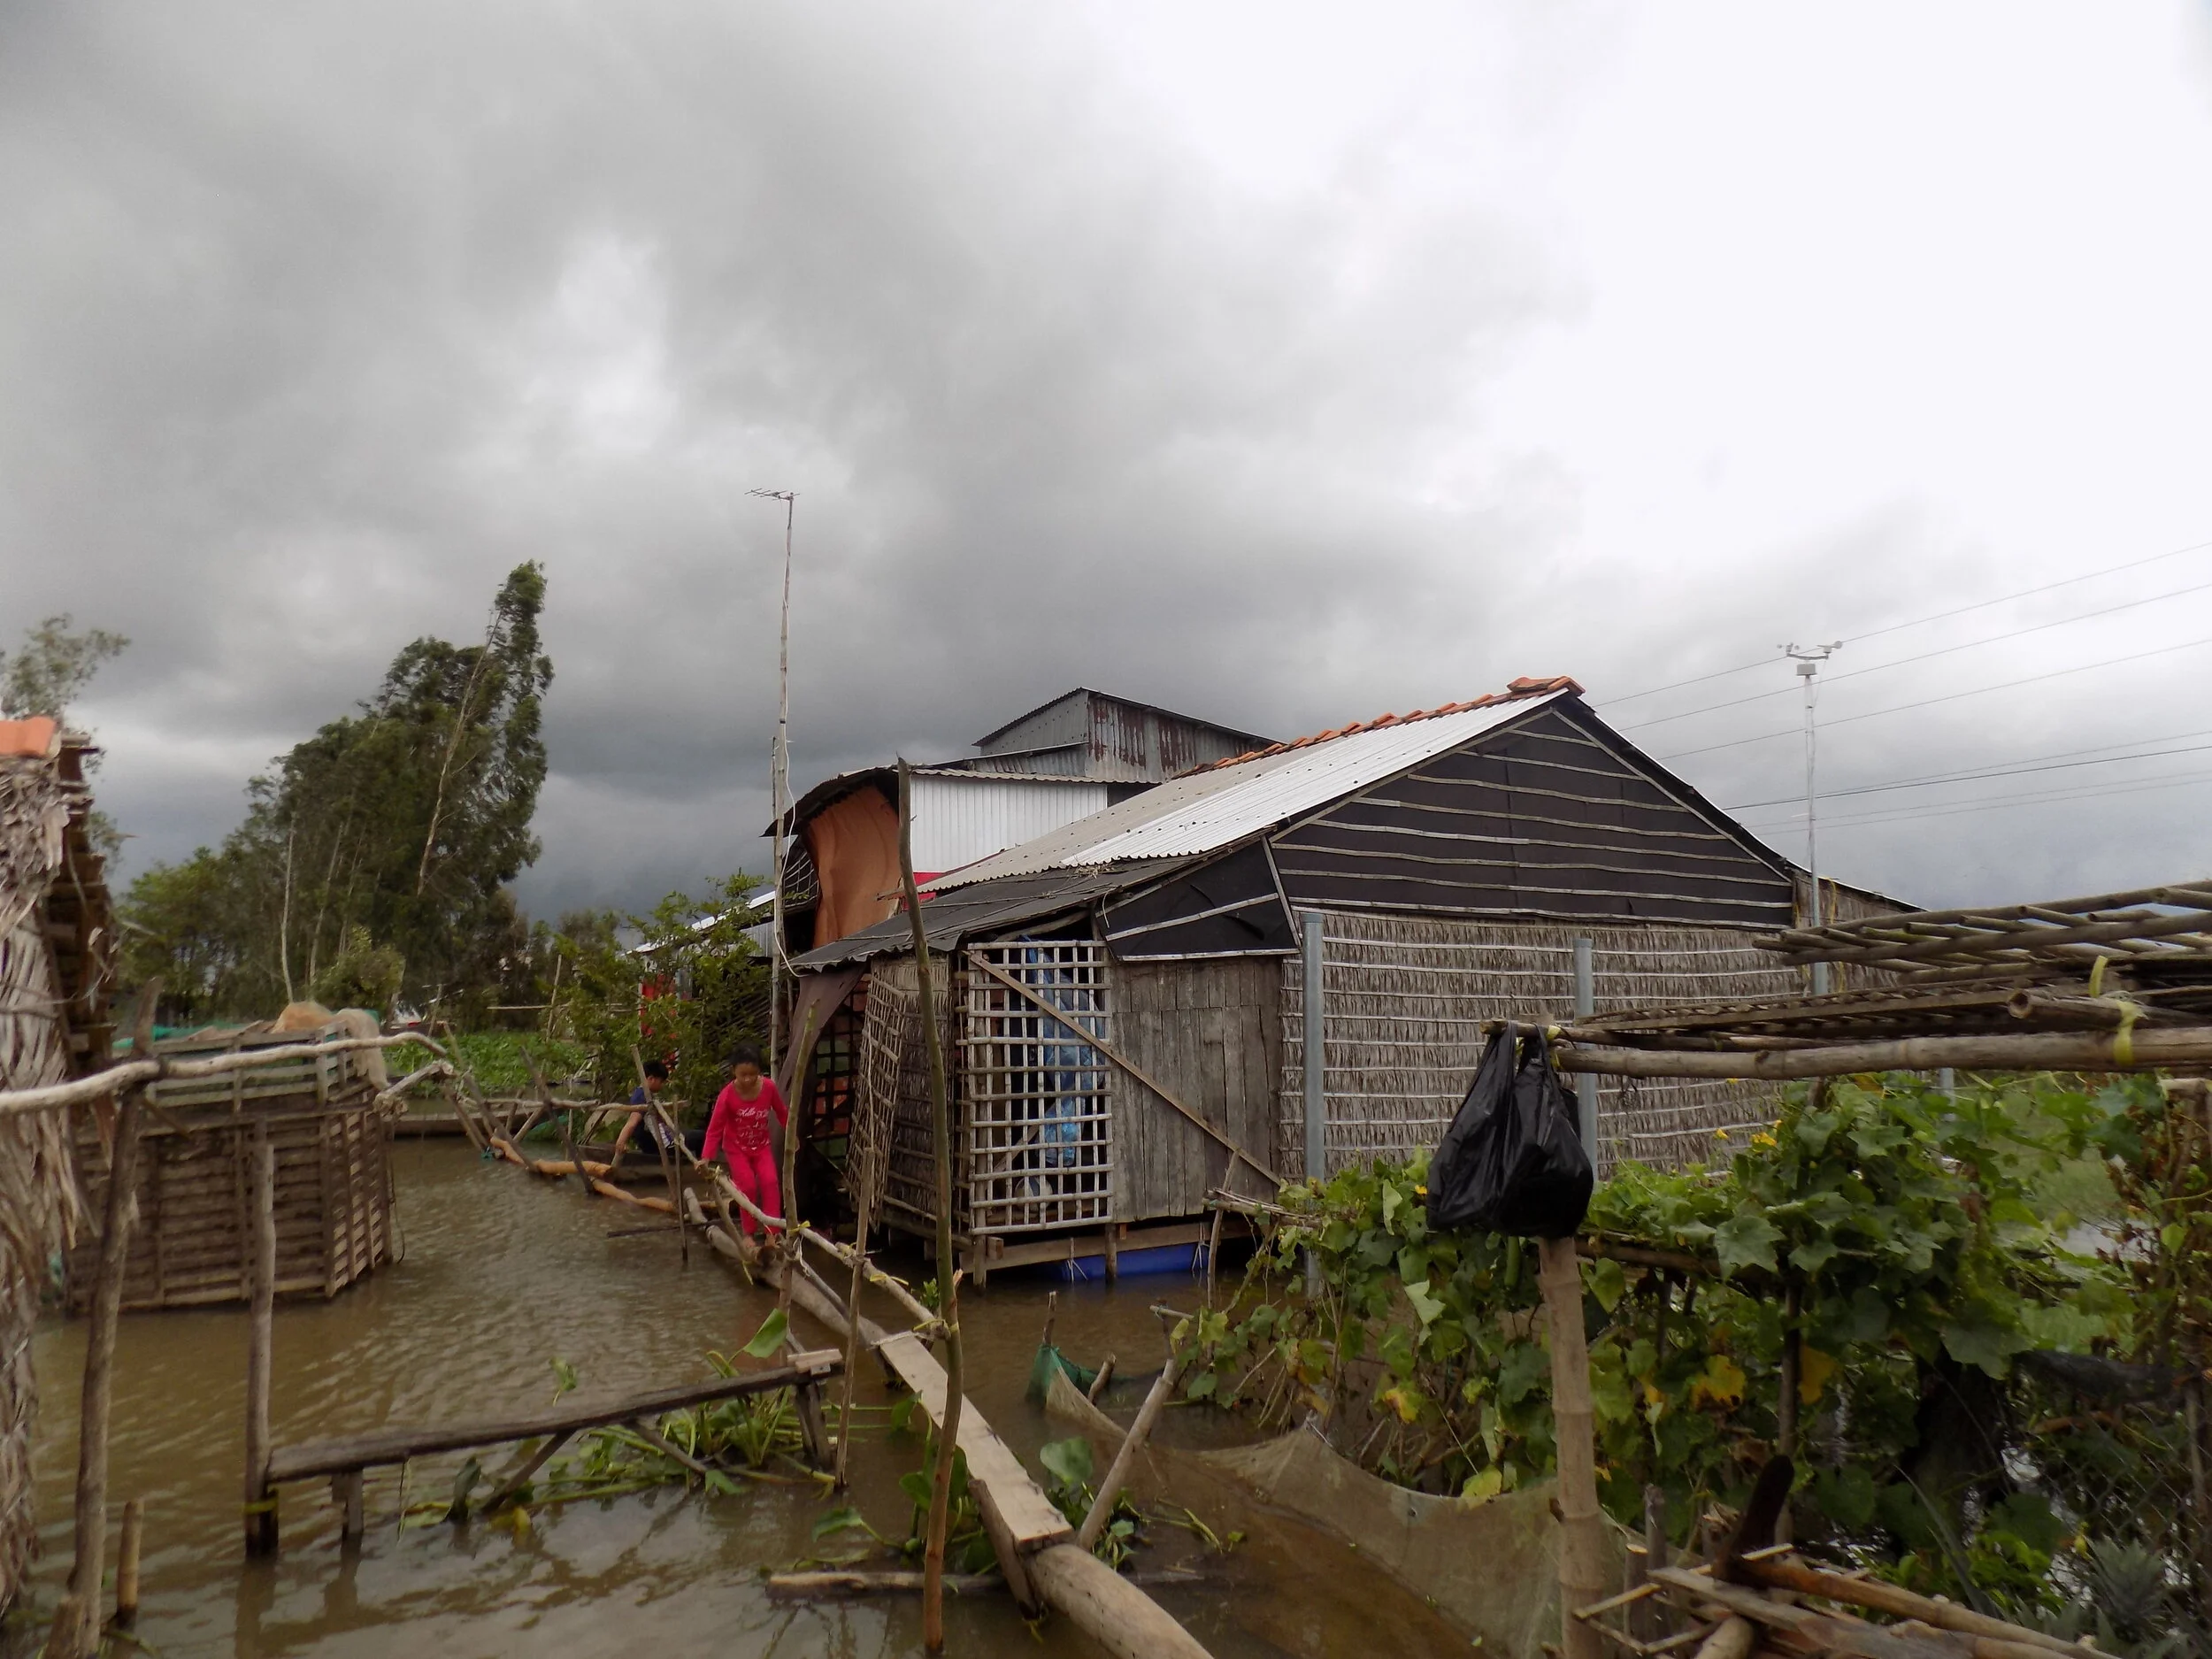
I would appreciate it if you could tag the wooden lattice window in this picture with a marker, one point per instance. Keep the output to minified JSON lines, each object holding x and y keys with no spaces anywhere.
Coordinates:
{"x":831,"y":1076}
{"x":1038,"y":1128}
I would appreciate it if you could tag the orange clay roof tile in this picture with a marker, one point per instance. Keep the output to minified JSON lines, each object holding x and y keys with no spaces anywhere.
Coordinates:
{"x":27,"y":740}
{"x":1526,"y":686}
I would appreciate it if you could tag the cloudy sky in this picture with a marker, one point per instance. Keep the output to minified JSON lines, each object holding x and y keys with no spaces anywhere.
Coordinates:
{"x":1281,"y":365}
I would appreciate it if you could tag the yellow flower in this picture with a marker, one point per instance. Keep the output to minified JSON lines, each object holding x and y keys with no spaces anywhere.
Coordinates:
{"x":1762,"y":1139}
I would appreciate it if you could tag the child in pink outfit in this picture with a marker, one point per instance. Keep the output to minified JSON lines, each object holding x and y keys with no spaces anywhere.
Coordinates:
{"x":738,"y":1131}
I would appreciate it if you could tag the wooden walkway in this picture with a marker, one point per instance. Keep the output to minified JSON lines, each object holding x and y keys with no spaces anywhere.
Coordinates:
{"x":350,"y":1453}
{"x":1032,"y":1519}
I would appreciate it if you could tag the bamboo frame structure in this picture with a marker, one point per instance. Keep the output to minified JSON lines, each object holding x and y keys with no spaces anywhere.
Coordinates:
{"x":56,"y":942}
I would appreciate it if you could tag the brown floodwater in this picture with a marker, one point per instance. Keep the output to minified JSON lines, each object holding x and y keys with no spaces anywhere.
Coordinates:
{"x":503,"y":1274}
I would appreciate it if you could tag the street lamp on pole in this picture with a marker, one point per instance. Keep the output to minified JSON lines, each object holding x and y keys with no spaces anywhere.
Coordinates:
{"x":1808,"y":660}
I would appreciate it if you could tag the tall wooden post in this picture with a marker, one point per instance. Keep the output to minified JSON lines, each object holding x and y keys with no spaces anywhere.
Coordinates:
{"x":947,"y":1275}
{"x":120,"y":1214}
{"x":260,"y":1499}
{"x":126,"y":1553}
{"x":1581,"y":1525}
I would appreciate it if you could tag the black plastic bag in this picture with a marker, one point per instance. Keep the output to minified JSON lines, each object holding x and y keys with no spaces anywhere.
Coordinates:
{"x":1512,"y":1161}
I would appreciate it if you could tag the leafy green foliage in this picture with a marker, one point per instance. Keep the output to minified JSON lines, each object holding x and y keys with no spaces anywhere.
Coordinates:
{"x":693,"y":989}
{"x":46,"y":675}
{"x":1901,"y":1225}
{"x":407,"y":820}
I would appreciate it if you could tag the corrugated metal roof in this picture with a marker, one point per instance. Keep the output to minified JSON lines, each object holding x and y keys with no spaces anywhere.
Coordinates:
{"x":1210,"y":809}
{"x":981,"y":908}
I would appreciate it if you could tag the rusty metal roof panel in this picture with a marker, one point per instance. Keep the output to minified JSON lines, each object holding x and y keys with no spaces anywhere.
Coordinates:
{"x":1217,"y":808}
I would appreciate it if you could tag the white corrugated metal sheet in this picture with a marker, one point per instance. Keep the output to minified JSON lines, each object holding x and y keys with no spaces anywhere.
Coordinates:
{"x":961,"y":816}
{"x":1210,"y":809}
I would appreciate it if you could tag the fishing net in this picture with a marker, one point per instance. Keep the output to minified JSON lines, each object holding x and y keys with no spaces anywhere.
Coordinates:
{"x":1510,"y":1605}
{"x":1050,"y":1360}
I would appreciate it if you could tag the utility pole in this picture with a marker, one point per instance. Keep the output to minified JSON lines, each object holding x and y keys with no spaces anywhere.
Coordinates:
{"x":779,"y":790}
{"x":1808,"y":660}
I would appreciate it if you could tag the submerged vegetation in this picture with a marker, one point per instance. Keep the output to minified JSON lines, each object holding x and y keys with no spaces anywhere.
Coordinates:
{"x":1879,"y":1283}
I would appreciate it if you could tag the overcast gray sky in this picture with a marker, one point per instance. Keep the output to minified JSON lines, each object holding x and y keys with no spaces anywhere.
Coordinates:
{"x":1281,"y":365}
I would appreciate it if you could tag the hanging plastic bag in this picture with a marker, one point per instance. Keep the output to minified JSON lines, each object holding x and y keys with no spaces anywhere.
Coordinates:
{"x":1512,"y":1161}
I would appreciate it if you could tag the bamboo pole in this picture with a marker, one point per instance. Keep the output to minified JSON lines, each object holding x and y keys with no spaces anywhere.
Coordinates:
{"x":2145,"y":1049}
{"x":852,"y":1339}
{"x":127,"y":1553}
{"x":116,"y":1079}
{"x":119,"y":1216}
{"x":947,"y":1275}
{"x":260,"y":1497}
{"x":1101,"y":1508}
{"x":1581,"y":1528}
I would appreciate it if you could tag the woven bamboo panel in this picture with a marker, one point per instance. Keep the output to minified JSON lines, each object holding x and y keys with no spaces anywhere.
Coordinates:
{"x":55,"y":945}
{"x":333,"y":1189}
{"x":1406,"y":1000}
{"x":894,"y":1064}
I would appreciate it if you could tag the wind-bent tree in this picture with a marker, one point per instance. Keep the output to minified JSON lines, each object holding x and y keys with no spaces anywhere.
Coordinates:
{"x":397,"y":829}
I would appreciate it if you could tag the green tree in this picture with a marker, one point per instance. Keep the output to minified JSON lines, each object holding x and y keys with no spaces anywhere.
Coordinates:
{"x":48,"y":672}
{"x":406,"y":820}
{"x":52,"y":666}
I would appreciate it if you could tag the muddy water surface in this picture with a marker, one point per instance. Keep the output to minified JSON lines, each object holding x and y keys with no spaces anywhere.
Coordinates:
{"x":501,"y":1275}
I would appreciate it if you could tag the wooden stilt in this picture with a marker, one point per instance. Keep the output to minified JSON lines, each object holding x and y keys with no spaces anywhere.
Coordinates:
{"x":260,"y":1496}
{"x":1111,"y":1248}
{"x":810,"y":1426}
{"x":1117,"y":1472}
{"x":65,"y":1637}
{"x":347,"y":1491}
{"x":531,"y":1464}
{"x":126,"y":1553}
{"x":1213,"y":1253}
{"x":120,"y":1214}
{"x":948,"y":1279}
{"x":1581,"y":1530}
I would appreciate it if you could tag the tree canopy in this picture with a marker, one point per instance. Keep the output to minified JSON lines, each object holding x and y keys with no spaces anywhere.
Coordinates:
{"x":390,"y":835}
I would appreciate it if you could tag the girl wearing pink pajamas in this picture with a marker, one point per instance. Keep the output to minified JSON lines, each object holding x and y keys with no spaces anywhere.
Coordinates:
{"x":739,"y":1132}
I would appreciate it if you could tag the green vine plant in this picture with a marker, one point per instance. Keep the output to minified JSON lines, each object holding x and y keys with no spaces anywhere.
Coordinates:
{"x":1891,"y":1247}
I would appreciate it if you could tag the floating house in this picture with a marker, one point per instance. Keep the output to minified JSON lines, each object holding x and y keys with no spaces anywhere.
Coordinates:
{"x":1125,"y":1001}
{"x":1060,"y":763}
{"x":56,"y":938}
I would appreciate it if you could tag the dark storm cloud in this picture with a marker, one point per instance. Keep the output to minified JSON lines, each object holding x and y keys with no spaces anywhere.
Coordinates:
{"x":1220,"y":361}
{"x":324,"y":319}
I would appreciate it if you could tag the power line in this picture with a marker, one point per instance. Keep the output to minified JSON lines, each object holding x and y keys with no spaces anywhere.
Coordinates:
{"x":1992,"y":803}
{"x":1940,"y":616}
{"x":1924,"y":703}
{"x":1944,"y":651}
{"x":1976,"y":774}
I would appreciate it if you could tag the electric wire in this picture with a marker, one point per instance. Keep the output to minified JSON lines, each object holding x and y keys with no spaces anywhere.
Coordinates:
{"x":2058,"y":762}
{"x":1940,"y":616}
{"x":1986,"y":803}
{"x":1944,"y":650}
{"x":1952,"y":697}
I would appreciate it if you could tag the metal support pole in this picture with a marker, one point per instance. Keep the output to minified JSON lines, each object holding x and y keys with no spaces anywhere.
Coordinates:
{"x":1586,"y":1082}
{"x":1317,"y":1073}
{"x":1808,"y":660}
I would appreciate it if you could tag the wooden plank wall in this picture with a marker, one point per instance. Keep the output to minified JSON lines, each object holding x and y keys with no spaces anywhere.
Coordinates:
{"x":1212,"y":1033}
{"x":334,"y":1202}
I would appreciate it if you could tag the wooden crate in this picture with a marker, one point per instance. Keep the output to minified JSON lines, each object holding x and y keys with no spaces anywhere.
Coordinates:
{"x":192,"y":1243}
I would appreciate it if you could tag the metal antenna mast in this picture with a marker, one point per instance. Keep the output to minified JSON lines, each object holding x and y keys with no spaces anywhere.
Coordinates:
{"x":779,"y":783}
{"x":1808,"y":660}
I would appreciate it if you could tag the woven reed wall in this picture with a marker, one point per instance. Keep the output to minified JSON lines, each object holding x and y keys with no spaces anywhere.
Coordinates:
{"x":38,"y":1206}
{"x":1405,"y":999}
{"x":893,"y":1064}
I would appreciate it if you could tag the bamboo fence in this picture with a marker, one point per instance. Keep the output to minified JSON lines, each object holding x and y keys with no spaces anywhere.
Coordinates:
{"x":46,"y":867}
{"x":1405,"y":999}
